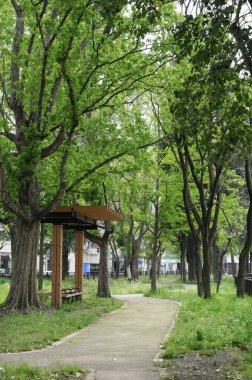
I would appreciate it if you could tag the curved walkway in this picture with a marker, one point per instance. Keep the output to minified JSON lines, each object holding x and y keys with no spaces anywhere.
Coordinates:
{"x":121,"y":345}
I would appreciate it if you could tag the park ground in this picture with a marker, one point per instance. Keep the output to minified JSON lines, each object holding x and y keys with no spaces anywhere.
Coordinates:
{"x":210,"y":340}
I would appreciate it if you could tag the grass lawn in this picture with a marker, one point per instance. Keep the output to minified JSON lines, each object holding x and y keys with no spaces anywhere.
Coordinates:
{"x":204,"y":326}
{"x":42,"y":329}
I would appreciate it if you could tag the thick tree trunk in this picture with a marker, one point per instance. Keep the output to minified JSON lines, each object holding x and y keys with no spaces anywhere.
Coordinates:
{"x":23,"y":289}
{"x":247,"y":265}
{"x":103,"y":279}
{"x":247,"y":245}
{"x":134,"y":263}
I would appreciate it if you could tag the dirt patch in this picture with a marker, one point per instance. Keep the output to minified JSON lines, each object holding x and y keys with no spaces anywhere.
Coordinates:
{"x":223,"y":364}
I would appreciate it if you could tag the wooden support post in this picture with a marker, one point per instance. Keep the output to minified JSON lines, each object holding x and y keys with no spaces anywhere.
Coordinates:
{"x":57,"y":265}
{"x":79,"y":244}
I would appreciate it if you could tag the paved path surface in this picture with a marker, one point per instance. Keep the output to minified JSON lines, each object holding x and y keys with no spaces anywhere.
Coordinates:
{"x":119,"y":346}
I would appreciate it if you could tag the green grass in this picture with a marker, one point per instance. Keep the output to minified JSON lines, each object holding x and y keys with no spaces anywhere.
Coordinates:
{"x":42,"y":329}
{"x":224,"y":321}
{"x":25,"y":372}
{"x":124,"y":286}
{"x":203,"y":326}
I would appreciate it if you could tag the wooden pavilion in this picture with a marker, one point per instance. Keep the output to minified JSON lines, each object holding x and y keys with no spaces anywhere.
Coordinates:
{"x":79,"y":219}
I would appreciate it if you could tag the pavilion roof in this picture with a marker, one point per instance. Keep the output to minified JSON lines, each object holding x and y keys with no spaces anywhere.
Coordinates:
{"x":101,"y":213}
{"x":81,"y":217}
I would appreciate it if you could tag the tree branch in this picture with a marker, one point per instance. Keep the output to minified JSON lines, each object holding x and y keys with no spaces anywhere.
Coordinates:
{"x":49,"y":150}
{"x":108,"y":160}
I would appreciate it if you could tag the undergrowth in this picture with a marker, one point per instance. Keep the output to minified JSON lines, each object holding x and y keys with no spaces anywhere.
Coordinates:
{"x":24,"y":372}
{"x":207,"y":325}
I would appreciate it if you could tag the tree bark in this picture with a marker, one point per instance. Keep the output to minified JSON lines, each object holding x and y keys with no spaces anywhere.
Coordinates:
{"x":191,"y":259}
{"x":182,"y":243}
{"x":116,"y":260}
{"x":206,"y":268}
{"x":23,"y":287}
{"x":154,"y":250}
{"x":215,"y":262}
{"x":248,"y":242}
{"x":103,"y":290}
{"x":41,"y":256}
{"x":67,"y":244}
{"x":198,"y":265}
{"x":136,"y":247}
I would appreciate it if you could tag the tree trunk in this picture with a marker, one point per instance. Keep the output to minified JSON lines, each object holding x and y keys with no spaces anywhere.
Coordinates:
{"x":117,"y":267}
{"x":41,"y":256}
{"x":198,"y":265}
{"x":215,"y":262}
{"x":116,"y":260}
{"x":206,"y":269}
{"x":154,"y":251}
{"x":158,"y":266}
{"x":23,"y":289}
{"x":148,"y":267}
{"x":191,"y":259}
{"x":182,"y":243}
{"x":67,"y":244}
{"x":103,"y":279}
{"x":247,"y":245}
{"x":13,"y":236}
{"x":247,"y":264}
{"x":136,"y":247}
{"x":221,"y":265}
{"x":134,"y":263}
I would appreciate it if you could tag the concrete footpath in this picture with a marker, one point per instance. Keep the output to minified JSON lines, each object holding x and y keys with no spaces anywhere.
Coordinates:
{"x":118,"y":346}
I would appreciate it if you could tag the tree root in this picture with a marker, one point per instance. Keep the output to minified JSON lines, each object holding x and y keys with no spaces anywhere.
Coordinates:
{"x":7,"y":309}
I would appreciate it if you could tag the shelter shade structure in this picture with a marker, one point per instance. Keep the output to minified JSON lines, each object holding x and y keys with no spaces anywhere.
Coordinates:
{"x":78,"y":218}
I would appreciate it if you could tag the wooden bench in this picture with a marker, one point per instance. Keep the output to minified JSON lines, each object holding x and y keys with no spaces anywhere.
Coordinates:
{"x":71,"y":294}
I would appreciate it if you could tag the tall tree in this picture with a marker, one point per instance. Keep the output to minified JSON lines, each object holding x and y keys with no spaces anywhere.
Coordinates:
{"x":60,"y":62}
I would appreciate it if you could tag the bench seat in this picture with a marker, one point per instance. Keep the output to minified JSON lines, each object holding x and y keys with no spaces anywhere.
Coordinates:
{"x":71,"y":294}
